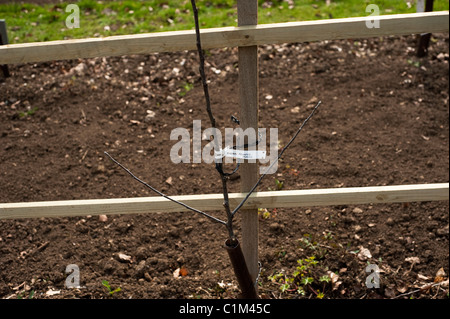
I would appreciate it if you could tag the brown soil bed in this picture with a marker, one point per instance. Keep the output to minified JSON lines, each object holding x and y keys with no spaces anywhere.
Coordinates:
{"x":383,"y":121}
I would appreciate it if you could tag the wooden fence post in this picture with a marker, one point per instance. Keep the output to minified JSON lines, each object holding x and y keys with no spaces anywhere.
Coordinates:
{"x":4,"y":40}
{"x":248,"y":99}
{"x":424,"y":39}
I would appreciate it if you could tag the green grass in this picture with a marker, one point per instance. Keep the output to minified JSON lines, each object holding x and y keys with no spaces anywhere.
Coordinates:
{"x":30,"y":23}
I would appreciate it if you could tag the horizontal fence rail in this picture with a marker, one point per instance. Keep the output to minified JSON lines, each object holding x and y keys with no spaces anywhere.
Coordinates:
{"x":146,"y":43}
{"x":213,"y":202}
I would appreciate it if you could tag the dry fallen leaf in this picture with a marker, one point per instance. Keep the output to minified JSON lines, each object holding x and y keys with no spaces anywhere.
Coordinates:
{"x":444,"y":284}
{"x":335,"y":283}
{"x":426,"y":287}
{"x":402,"y":289}
{"x":52,"y":292}
{"x":19,"y":286}
{"x":422,"y":277}
{"x":440,"y":275}
{"x":364,"y":253}
{"x":124,"y":257}
{"x":183,"y":271}
{"x":413,"y":260}
{"x":342,"y":270}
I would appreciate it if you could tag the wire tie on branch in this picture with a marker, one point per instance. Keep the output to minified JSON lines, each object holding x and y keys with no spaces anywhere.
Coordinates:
{"x":278,"y":158}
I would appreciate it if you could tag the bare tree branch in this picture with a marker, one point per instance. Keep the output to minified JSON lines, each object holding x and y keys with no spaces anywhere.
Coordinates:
{"x":279,"y":156}
{"x":202,"y":65}
{"x":164,"y":195}
{"x":219,"y":165}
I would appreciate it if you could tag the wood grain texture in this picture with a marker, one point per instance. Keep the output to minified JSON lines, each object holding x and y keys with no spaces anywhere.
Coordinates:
{"x":214,"y":202}
{"x":146,"y":43}
{"x":248,"y":101}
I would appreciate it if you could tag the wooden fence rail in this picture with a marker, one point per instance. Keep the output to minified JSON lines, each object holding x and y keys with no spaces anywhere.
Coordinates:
{"x":146,"y":43}
{"x":214,"y":202}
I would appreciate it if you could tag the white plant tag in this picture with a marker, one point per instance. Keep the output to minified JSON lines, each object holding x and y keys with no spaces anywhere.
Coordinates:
{"x":241,"y":154}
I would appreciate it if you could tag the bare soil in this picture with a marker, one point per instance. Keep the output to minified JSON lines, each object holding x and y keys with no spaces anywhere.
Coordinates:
{"x":383,"y":121}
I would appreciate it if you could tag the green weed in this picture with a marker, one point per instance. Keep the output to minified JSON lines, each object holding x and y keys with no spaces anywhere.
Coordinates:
{"x":311,"y":276}
{"x":28,"y":112}
{"x":185,"y":88}
{"x":23,"y":295}
{"x":279,"y":184}
{"x":111,"y":290}
{"x":302,"y":279}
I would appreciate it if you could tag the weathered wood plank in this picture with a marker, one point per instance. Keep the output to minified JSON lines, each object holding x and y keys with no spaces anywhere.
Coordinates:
{"x":214,"y":202}
{"x":248,"y":101}
{"x":306,"y":31}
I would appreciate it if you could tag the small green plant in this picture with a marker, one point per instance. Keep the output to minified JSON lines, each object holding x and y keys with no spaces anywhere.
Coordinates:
{"x":284,"y":287}
{"x":308,"y":242}
{"x":281,"y":254}
{"x":301,"y":280}
{"x":325,"y":279}
{"x":264,"y":213}
{"x":28,"y":112}
{"x":328,"y":236}
{"x":307,"y":281}
{"x":22,"y":295}
{"x":415,"y":63}
{"x":304,"y":269}
{"x":186,"y":87}
{"x":311,"y":277}
{"x":111,"y":291}
{"x":279,"y":184}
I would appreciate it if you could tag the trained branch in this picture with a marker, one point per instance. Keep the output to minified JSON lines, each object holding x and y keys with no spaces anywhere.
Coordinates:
{"x":202,"y":65}
{"x":279,"y":156}
{"x":164,"y":195}
{"x":219,"y":165}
